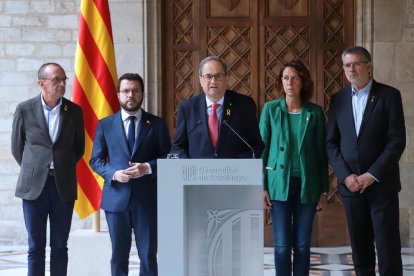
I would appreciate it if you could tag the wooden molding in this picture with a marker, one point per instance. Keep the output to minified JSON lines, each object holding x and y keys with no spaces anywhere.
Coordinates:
{"x":230,"y":4}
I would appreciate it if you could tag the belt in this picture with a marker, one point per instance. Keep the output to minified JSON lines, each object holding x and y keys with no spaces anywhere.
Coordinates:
{"x":52,"y":172}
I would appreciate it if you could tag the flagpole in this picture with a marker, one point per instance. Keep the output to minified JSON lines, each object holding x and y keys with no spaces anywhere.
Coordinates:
{"x":96,"y":220}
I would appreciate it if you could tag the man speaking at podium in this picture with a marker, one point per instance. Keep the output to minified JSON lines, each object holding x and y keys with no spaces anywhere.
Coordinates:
{"x":218,"y":123}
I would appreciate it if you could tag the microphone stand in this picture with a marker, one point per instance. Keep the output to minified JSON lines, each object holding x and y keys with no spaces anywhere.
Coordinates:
{"x":244,"y":141}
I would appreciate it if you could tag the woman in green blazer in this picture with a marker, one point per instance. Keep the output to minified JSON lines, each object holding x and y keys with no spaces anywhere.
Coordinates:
{"x":296,"y":171}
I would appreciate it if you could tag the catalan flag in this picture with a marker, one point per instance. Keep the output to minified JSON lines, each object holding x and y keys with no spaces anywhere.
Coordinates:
{"x":94,"y":89}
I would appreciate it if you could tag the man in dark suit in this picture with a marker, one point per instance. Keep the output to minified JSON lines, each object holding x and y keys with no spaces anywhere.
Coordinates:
{"x":365,"y":140}
{"x":125,"y":151}
{"x":48,"y":140}
{"x":203,"y":133}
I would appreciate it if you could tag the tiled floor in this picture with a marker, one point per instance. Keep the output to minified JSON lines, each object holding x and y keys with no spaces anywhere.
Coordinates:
{"x":334,"y":261}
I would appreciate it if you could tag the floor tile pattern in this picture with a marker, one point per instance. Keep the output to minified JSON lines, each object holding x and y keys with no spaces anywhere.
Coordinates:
{"x":336,"y":261}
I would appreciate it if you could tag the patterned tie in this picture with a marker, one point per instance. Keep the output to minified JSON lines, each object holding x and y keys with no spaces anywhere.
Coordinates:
{"x":131,"y":133}
{"x":213,"y":124}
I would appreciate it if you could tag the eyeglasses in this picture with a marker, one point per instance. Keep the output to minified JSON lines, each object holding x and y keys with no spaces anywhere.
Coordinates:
{"x":56,"y":80}
{"x":357,"y":64}
{"x":126,"y":92}
{"x":292,"y":78}
{"x":217,"y":77}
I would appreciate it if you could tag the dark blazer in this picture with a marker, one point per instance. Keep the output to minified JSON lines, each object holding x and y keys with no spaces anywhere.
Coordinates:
{"x":380,"y":143}
{"x":33,"y":149}
{"x":191,"y":135}
{"x":110,"y":153}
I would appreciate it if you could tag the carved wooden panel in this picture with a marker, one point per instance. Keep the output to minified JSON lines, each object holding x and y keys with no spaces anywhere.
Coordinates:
{"x":179,"y":57}
{"x":183,"y":76}
{"x":231,"y":33}
{"x":288,"y":8}
{"x":283,"y":44}
{"x":233,"y":44}
{"x":228,"y":8}
{"x":255,"y":38}
{"x":336,"y":36}
{"x":287,"y":33}
{"x":183,"y":28}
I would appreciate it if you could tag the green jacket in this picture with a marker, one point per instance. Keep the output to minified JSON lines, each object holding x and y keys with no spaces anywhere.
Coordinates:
{"x":276,"y":156}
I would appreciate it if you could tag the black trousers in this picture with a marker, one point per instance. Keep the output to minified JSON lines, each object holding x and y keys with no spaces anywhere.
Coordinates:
{"x":373,"y":223}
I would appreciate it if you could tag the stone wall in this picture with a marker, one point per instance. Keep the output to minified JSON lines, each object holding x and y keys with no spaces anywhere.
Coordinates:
{"x":393,"y":61}
{"x":33,"y":32}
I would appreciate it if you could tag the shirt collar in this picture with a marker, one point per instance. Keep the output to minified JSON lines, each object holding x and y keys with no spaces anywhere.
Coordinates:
{"x":45,"y":106}
{"x":363,"y":91}
{"x":125,"y":115}
{"x":210,"y":102}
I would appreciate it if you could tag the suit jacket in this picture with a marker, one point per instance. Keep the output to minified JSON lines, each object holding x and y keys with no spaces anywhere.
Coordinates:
{"x":380,"y":143}
{"x":111,"y":153}
{"x":192,"y":139}
{"x":34,"y":150}
{"x":277,"y":158}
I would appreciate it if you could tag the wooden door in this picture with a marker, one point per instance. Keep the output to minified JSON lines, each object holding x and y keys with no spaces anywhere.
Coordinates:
{"x":256,"y":37}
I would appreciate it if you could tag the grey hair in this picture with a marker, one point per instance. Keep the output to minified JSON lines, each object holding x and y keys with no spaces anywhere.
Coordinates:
{"x":357,"y":50}
{"x":211,"y":58}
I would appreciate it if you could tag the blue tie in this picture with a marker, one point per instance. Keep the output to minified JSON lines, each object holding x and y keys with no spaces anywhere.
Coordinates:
{"x":131,"y":133}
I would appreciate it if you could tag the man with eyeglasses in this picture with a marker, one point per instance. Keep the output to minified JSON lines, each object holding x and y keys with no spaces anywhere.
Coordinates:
{"x":365,"y":140}
{"x":126,"y":147}
{"x":47,"y":141}
{"x":208,"y":125}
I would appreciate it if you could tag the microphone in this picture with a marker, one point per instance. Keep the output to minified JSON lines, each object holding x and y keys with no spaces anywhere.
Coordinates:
{"x":244,"y":141}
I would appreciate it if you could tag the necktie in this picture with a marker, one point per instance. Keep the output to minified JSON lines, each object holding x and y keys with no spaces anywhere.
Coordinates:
{"x":131,"y":133}
{"x":213,"y":124}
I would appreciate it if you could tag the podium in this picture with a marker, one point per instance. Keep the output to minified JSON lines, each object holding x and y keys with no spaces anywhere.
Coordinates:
{"x":210,"y":217}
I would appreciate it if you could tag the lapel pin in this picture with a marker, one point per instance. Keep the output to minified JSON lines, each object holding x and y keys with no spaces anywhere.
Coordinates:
{"x":148,"y":122}
{"x":65,"y":107}
{"x":372,"y":99}
{"x":228,"y":112}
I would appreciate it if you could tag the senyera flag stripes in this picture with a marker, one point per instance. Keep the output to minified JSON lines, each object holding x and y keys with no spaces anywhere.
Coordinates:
{"x":94,"y":89}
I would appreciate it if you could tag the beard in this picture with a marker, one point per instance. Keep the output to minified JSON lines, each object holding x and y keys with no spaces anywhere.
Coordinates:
{"x":131,"y":106}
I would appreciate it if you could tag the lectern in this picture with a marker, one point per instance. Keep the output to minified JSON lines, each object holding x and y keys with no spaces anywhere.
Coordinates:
{"x":210,"y":217}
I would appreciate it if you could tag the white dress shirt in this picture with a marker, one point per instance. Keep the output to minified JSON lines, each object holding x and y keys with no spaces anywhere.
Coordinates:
{"x":52,"y":116}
